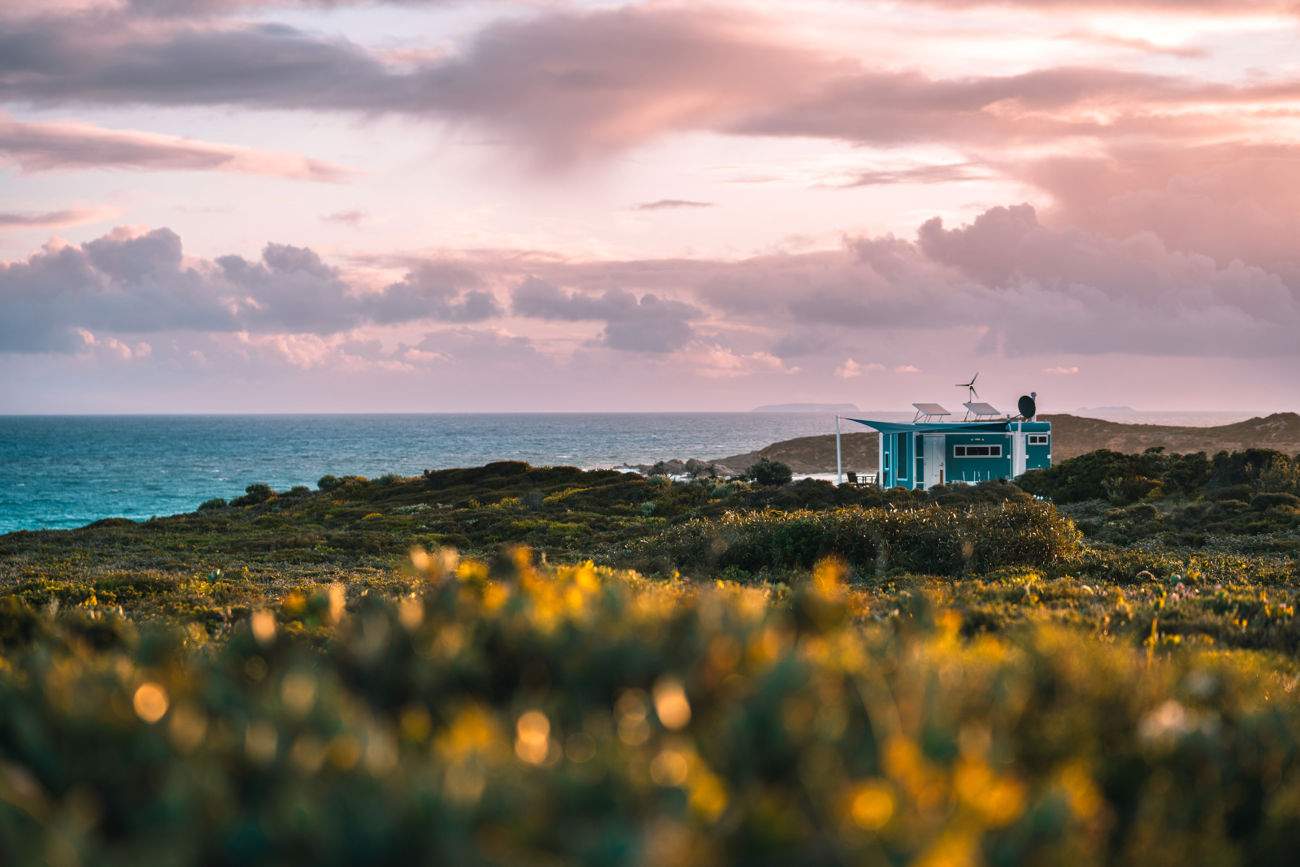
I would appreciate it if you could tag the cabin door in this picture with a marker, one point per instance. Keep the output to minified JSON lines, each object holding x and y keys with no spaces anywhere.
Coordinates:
{"x":933,"y":460}
{"x":1019,"y":458}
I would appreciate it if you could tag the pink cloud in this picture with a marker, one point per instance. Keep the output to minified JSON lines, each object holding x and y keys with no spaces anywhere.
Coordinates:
{"x":1199,"y":8}
{"x":348,"y":218}
{"x":55,"y":219}
{"x":41,"y":147}
{"x":1226,"y":200}
{"x":851,"y":369}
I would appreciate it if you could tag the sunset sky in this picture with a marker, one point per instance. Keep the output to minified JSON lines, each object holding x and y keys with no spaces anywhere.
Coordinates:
{"x":229,"y":205}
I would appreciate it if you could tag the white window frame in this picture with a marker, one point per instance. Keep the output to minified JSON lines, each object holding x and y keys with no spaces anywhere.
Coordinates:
{"x":961,"y":451}
{"x":1038,"y":439}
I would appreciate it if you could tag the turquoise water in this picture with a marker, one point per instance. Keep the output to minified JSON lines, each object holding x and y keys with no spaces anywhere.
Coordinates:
{"x":66,"y":471}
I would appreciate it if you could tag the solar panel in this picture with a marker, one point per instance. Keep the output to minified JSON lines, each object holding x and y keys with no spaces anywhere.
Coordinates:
{"x":981,"y":408}
{"x":930,"y":409}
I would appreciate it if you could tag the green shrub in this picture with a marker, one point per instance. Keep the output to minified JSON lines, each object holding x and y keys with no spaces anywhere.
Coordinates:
{"x":329,"y":483}
{"x":1261,"y":502}
{"x":254,"y":494}
{"x":928,"y":539}
{"x":767,"y":472}
{"x":214,"y":503}
{"x":1247,"y":467}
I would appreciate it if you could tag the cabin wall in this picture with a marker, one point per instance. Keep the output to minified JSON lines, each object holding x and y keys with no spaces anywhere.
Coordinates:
{"x":978,"y":469}
{"x":1038,"y":456}
{"x":905,"y":465}
{"x":902,"y":455}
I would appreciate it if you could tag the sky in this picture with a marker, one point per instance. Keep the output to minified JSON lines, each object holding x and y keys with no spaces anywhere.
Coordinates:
{"x":540,"y":205}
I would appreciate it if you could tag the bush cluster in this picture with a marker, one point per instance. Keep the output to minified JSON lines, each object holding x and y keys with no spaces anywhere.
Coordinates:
{"x":254,"y":494}
{"x":1127,"y":478}
{"x":928,"y":539}
{"x":768,"y":472}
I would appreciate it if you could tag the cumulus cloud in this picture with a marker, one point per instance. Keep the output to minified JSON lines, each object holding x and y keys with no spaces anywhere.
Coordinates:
{"x":645,"y":324}
{"x":719,"y":362}
{"x":93,"y":345}
{"x":40,"y":147}
{"x":432,"y":291}
{"x":1014,"y":284}
{"x":126,"y":283}
{"x":1127,"y":292}
{"x":1024,"y":287}
{"x":850,"y":369}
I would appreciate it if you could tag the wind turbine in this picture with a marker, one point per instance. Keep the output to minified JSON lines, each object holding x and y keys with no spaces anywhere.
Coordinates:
{"x":970,"y":387}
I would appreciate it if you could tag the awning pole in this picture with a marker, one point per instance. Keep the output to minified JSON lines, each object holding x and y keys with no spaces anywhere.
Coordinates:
{"x":839,"y":462}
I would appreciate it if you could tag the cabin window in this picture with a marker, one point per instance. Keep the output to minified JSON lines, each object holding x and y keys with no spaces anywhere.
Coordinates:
{"x":977,"y":451}
{"x":1038,"y":439}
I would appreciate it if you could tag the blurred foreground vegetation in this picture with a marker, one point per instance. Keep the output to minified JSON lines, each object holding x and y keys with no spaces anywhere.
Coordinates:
{"x":705,"y":672}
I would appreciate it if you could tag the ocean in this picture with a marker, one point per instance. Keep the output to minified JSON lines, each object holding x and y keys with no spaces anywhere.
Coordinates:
{"x":66,"y":471}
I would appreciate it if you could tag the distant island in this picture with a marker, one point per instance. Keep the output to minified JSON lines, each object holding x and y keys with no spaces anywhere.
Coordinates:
{"x":1085,"y":409}
{"x":806,"y":407}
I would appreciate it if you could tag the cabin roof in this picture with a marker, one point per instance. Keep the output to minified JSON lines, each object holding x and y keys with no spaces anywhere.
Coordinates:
{"x":995,"y":426}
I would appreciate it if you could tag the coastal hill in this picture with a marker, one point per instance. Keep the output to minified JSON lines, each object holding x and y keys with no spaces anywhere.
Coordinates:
{"x":1071,"y":436}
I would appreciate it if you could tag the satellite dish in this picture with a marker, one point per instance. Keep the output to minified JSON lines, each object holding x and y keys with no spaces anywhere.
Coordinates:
{"x":1028,"y":406}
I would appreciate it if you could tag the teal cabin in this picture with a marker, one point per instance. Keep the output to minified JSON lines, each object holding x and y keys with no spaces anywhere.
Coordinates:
{"x":929,"y":451}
